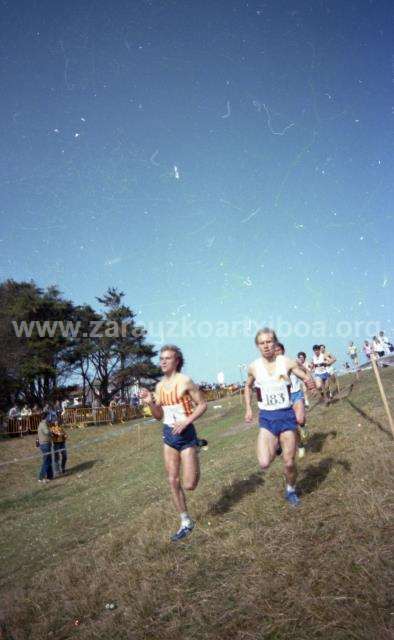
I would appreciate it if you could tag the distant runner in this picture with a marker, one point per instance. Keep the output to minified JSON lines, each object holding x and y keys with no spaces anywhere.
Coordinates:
{"x":298,"y":402}
{"x":178,"y":402}
{"x":353,"y":353}
{"x":303,"y":362}
{"x":330,"y":359}
{"x":320,"y":362}
{"x":277,"y":420}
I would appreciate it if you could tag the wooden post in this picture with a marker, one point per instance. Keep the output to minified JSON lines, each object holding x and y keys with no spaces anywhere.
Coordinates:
{"x":338,"y":387}
{"x":382,"y":391}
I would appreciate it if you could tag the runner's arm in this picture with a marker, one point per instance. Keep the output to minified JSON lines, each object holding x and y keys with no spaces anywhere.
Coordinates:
{"x":248,"y":395}
{"x":200,"y":407}
{"x":302,"y":375}
{"x":148,"y":398}
{"x":198,"y":400}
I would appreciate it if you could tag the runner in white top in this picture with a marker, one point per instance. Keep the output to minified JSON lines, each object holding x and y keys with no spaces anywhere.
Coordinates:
{"x":320,"y":362}
{"x":297,"y":401}
{"x":353,"y":353}
{"x":277,"y":421}
{"x":305,"y":364}
{"x":329,"y":359}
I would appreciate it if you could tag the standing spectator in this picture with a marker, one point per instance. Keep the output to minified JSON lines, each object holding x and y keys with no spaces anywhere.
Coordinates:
{"x":65,"y":404}
{"x":367,"y":348}
{"x":44,"y":438}
{"x":59,"y":437}
{"x":112,"y":407}
{"x":13,"y":412}
{"x":26,"y":412}
{"x":58,"y":411}
{"x":95,"y":407}
{"x":352,"y":351}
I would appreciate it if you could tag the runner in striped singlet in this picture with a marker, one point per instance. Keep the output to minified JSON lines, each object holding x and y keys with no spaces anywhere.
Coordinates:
{"x":178,"y":402}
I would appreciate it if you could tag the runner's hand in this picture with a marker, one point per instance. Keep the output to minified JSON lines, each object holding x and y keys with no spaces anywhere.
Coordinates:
{"x":249,"y":415}
{"x":179,"y":426}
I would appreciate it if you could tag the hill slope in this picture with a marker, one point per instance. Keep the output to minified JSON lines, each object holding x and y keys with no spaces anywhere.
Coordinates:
{"x":254,"y":567}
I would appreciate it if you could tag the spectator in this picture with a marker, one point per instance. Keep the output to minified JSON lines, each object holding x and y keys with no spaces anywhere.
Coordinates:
{"x":36,"y":409}
{"x":95,"y":407}
{"x":26,"y":412}
{"x":13,"y":412}
{"x":58,"y":411}
{"x":59,"y":437}
{"x":112,"y":407}
{"x":44,"y":438}
{"x":65,"y":404}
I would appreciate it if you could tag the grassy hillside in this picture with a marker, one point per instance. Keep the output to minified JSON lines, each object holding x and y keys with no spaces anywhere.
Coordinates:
{"x":253,"y":569}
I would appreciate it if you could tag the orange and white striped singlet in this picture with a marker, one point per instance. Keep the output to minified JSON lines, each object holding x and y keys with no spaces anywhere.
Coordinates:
{"x":175,"y":407}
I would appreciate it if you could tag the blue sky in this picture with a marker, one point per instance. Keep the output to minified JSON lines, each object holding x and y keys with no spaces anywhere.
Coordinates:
{"x":221,"y":163}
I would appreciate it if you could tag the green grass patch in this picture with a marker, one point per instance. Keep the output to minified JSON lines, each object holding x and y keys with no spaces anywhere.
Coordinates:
{"x":253,"y":568}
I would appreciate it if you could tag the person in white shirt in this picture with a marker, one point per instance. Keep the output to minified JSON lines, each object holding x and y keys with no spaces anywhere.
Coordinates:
{"x":277,"y":420}
{"x":385,"y":342}
{"x":353,"y":353}
{"x":377,"y":347}
{"x":321,"y":360}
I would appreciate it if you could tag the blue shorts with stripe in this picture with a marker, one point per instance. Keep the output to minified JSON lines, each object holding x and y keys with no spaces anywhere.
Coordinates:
{"x":295,"y":396}
{"x":180,"y":441}
{"x":278,"y":420}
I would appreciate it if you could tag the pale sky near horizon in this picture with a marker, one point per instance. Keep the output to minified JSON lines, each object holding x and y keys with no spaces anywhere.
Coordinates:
{"x":221,"y":163}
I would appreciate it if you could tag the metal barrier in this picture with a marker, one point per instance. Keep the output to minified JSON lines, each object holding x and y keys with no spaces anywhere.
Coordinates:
{"x":87,"y":415}
{"x":21,"y":426}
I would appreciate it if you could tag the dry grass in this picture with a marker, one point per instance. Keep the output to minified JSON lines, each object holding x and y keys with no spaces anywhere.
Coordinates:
{"x":253,"y":569}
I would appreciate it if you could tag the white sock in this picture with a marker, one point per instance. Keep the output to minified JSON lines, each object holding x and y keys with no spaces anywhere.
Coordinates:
{"x":185,"y":519}
{"x":290,"y":488}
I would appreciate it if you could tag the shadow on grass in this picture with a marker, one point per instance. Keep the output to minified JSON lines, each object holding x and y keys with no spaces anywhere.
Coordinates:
{"x":316,"y":441}
{"x":84,"y":466}
{"x":233,"y":494}
{"x":369,"y":418}
{"x":315,"y":474}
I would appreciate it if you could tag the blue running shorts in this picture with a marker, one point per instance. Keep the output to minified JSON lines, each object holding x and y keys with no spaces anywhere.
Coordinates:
{"x":180,"y":441}
{"x":322,"y":376}
{"x":278,"y":420}
{"x":295,"y":396}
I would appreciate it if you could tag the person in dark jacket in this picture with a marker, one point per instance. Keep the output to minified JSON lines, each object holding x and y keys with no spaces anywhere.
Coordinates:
{"x":44,"y":438}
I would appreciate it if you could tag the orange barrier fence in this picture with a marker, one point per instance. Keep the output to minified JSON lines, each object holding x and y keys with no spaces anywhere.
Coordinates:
{"x":216,"y":394}
{"x":21,"y":426}
{"x":87,"y":415}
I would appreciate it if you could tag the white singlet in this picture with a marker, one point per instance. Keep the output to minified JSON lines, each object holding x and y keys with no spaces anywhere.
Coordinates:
{"x":295,"y":383}
{"x":318,"y":361}
{"x":272,"y":390}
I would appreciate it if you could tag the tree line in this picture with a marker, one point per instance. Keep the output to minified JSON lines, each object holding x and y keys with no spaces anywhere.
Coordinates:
{"x":47,"y":341}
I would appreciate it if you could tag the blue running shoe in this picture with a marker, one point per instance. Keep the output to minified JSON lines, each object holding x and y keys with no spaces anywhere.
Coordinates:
{"x":292,"y":498}
{"x":183,"y":532}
